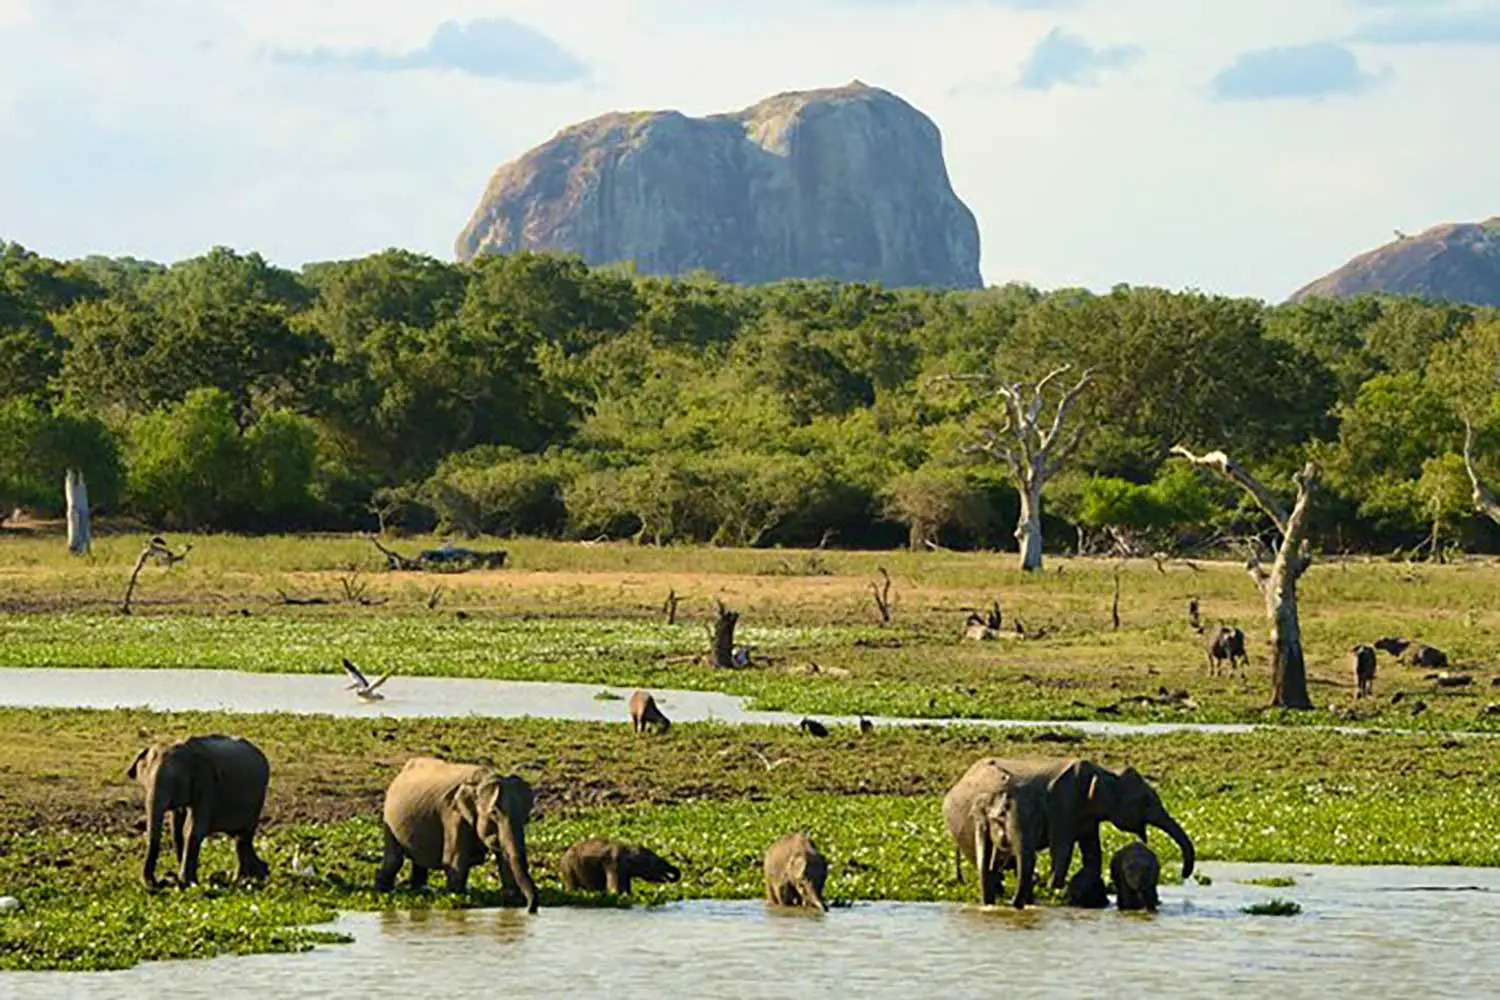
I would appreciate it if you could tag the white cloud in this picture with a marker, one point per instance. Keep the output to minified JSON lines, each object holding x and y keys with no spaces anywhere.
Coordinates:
{"x":166,"y":128}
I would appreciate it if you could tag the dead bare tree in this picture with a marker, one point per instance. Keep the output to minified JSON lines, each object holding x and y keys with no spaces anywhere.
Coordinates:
{"x":156,"y":551}
{"x":669,"y":607}
{"x":1031,"y":448}
{"x":1114,"y":607}
{"x":1484,"y":500}
{"x":723,"y":637}
{"x":1279,"y":587}
{"x":882,"y":594}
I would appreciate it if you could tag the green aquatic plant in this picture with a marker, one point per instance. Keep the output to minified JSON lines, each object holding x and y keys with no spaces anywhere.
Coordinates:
{"x":1269,"y":881}
{"x":1274,"y":908}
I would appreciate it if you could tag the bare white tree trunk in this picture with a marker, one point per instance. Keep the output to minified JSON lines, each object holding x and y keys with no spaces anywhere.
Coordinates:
{"x":1279,"y":587}
{"x":1029,"y":527}
{"x":80,"y":539}
{"x":1484,"y":500}
{"x":1033,"y":452}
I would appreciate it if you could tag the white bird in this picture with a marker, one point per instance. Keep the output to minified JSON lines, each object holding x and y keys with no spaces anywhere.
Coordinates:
{"x":298,"y":868}
{"x":9,"y":904}
{"x":362,"y":687}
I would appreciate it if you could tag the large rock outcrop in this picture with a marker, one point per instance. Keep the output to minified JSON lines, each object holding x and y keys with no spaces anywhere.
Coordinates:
{"x":1457,"y":262}
{"x":845,"y":183}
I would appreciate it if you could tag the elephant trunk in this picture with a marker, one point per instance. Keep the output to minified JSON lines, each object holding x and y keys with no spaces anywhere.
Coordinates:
{"x":513,"y":842}
{"x":1166,"y":824}
{"x":156,"y":813}
{"x":812,"y":897}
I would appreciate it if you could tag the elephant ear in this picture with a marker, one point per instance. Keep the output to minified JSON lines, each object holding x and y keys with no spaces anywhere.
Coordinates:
{"x":134,"y":771}
{"x":487,"y":797}
{"x":466,"y":801}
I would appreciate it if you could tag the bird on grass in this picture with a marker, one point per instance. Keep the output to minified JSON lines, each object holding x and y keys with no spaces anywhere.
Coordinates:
{"x":813,"y":727}
{"x":865,"y":725}
{"x":362,"y":688}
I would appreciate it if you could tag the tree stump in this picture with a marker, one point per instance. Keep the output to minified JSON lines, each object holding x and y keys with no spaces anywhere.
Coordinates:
{"x":723,"y":640}
{"x":80,"y":539}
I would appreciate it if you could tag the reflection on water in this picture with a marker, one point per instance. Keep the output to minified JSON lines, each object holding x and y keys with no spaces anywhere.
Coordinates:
{"x":1355,"y":938}
{"x":174,"y":690}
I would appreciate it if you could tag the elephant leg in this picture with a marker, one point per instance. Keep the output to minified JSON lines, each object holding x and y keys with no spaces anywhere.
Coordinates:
{"x":250,"y":864}
{"x":958,"y":865}
{"x":458,"y":876}
{"x":390,"y":863}
{"x":509,"y":890}
{"x":1060,"y":846}
{"x":1025,"y":879}
{"x":179,"y":817}
{"x":197,"y":829}
{"x":419,"y":875}
{"x":1088,"y":847}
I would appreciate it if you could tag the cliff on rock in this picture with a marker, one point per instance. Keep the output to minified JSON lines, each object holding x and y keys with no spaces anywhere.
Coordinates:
{"x":845,"y":183}
{"x":1456,"y":262}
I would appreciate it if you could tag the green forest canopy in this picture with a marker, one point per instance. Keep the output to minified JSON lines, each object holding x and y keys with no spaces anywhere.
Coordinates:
{"x":530,"y":393}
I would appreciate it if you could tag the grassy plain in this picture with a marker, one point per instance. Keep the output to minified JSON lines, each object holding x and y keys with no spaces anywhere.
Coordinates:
{"x":711,"y":796}
{"x":593,"y":613}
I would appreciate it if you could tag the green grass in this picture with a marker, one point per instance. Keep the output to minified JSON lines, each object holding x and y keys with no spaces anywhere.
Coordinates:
{"x":592,"y":614}
{"x":1274,"y":908}
{"x":1270,"y":881}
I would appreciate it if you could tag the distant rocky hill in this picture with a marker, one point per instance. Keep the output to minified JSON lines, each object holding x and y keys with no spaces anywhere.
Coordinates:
{"x":844,"y":183}
{"x":1457,"y":262}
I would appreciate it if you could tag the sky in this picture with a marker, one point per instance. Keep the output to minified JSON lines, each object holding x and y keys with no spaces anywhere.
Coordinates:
{"x":1243,"y":148}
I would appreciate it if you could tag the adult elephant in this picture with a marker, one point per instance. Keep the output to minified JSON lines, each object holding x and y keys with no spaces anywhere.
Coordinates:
{"x":1078,"y":795}
{"x":210,"y":784}
{"x":449,"y":816}
{"x":997,"y":822}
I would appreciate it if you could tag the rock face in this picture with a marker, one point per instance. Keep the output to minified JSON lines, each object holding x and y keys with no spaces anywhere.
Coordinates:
{"x":845,"y":183}
{"x":1460,"y":263}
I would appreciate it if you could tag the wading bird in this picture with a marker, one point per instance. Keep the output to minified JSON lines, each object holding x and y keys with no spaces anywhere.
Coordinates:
{"x":362,"y":688}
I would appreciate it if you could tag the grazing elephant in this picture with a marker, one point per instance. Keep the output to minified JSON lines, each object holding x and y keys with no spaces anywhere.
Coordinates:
{"x":449,"y":816}
{"x":1135,"y":872}
{"x":998,"y":822}
{"x":1226,"y":642}
{"x":210,"y":784}
{"x":1364,"y":670}
{"x":644,"y":713}
{"x":795,"y":873}
{"x":1079,"y":795}
{"x":1086,"y":889}
{"x":598,"y":865}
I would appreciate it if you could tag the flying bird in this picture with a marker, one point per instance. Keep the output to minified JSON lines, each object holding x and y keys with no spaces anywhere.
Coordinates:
{"x":362,"y":688}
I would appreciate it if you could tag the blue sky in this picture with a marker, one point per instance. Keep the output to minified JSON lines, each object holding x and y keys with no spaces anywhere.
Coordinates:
{"x":1234,"y":147}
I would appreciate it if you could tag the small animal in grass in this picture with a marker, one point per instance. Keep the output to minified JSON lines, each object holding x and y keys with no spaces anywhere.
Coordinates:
{"x":1226,"y":642}
{"x":1412,"y":653}
{"x":865,"y":725}
{"x":1364,"y":670}
{"x":645,"y":715}
{"x":813,"y":727}
{"x":1135,"y":871}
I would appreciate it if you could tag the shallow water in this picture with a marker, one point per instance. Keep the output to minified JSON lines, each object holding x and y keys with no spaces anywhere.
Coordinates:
{"x":1363,"y":932}
{"x":176,"y":690}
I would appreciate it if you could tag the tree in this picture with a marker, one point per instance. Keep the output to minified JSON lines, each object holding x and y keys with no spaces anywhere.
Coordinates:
{"x":1279,"y":587}
{"x":1135,"y":514}
{"x":1031,"y":450}
{"x":188,"y":463}
{"x":931,"y":498}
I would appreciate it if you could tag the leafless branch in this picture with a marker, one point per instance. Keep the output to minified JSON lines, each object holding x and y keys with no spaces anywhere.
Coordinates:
{"x":1233,"y":471}
{"x":1484,"y":500}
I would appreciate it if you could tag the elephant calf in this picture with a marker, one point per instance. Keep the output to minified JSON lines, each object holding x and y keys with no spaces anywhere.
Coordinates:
{"x":1135,"y":872}
{"x":598,"y":865}
{"x":210,"y":784}
{"x":795,"y":873}
{"x":644,"y":713}
{"x":1364,"y":670}
{"x":449,"y":816}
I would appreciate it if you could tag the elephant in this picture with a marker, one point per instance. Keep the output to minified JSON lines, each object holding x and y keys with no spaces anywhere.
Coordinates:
{"x":1086,"y":889}
{"x":795,"y":873}
{"x":1135,"y":872}
{"x":1078,"y":795}
{"x":446,"y":815}
{"x":598,"y":865}
{"x":644,"y":713}
{"x":1227,"y":642}
{"x":1364,"y":670}
{"x":999,"y":822}
{"x":210,"y":784}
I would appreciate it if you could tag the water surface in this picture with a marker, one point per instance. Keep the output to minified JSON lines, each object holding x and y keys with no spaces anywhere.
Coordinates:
{"x":1364,"y":932}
